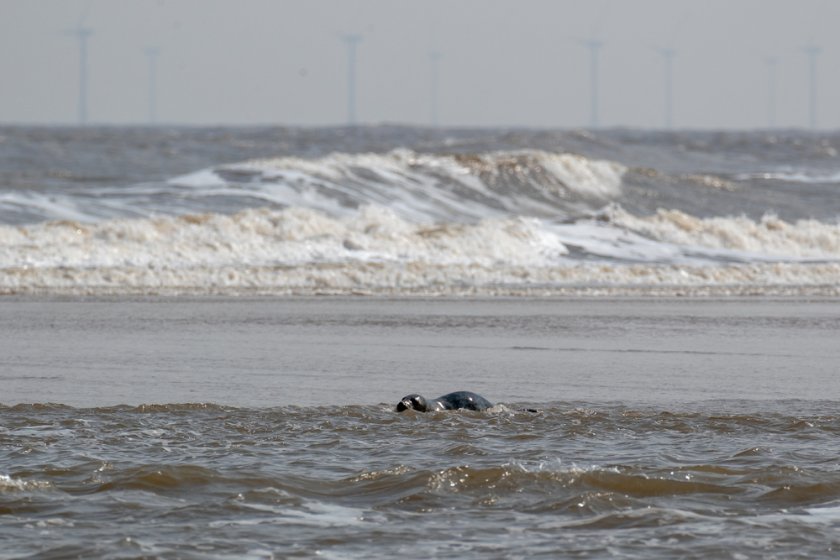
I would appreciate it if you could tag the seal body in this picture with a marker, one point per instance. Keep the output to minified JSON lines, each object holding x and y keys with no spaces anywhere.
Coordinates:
{"x":459,"y":400}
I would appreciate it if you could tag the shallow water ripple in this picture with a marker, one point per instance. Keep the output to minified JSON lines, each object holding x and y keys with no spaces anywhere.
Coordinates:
{"x":724,"y":479}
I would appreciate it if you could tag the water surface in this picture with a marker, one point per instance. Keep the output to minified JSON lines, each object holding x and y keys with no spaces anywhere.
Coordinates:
{"x":231,"y":428}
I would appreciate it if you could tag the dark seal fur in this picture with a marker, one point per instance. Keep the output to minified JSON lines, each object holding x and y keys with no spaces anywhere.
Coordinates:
{"x":459,"y":400}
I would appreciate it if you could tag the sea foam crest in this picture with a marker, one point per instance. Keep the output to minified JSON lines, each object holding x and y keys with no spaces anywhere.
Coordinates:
{"x":376,"y":234}
{"x":768,"y":237}
{"x":8,"y":483}
{"x":426,"y":187}
{"x":423,"y":188}
{"x":268,"y":237}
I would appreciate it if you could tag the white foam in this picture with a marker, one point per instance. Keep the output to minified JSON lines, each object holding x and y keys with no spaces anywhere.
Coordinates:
{"x":422,"y":188}
{"x":586,"y":177}
{"x":392,"y":278}
{"x":375,"y":250}
{"x":425,"y":187}
{"x":265,"y":237}
{"x":793,"y":176}
{"x":8,"y":483}
{"x":600,"y":239}
{"x":198,"y":179}
{"x":737,"y":237}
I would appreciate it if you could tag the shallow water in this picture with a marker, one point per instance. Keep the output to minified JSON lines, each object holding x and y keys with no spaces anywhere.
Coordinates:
{"x":716,"y":479}
{"x":664,"y":428}
{"x":314,"y":351}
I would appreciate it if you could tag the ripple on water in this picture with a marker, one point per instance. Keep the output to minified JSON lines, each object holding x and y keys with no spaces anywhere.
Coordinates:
{"x":297,"y":479}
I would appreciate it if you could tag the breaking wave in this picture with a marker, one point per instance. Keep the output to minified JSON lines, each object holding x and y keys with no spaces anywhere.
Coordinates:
{"x":418,"y":187}
{"x":375,"y":250}
{"x":765,"y":238}
{"x":397,"y":222}
{"x":290,"y":237}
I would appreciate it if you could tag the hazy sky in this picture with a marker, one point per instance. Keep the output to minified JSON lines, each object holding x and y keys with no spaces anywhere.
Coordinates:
{"x":503,"y":62}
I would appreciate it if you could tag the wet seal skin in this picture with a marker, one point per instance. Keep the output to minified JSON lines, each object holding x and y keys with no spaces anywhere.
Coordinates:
{"x":459,"y":400}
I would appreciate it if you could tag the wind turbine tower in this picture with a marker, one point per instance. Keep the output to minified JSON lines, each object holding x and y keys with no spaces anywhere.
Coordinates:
{"x":594,"y":47}
{"x":82,"y":35}
{"x":434,"y":61}
{"x":772,"y":63}
{"x":668,"y":55}
{"x":151,"y":55}
{"x":812,"y":51}
{"x":351,"y":42}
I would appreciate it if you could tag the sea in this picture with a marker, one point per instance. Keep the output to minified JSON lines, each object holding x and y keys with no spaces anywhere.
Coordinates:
{"x":204,"y":332}
{"x":400,"y":210}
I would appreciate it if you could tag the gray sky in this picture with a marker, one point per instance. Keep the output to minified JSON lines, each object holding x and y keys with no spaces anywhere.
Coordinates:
{"x":504,"y":62}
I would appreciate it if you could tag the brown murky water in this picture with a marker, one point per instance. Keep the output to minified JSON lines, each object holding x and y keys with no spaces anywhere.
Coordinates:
{"x":665,"y":428}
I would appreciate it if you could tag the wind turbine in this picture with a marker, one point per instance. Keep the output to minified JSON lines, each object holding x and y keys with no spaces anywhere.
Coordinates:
{"x":82,"y":35}
{"x":772,"y":63}
{"x":152,"y":54}
{"x":594,"y":46}
{"x":668,"y":54}
{"x":434,"y":61}
{"x":812,"y":52}
{"x":351,"y":41}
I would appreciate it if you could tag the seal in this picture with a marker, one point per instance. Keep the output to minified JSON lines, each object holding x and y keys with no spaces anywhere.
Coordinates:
{"x":458,"y":400}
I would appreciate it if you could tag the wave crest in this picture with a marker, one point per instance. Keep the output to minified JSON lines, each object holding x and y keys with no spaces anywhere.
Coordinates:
{"x":770,"y":236}
{"x":374,"y":250}
{"x":443,"y":186}
{"x":264,"y":237}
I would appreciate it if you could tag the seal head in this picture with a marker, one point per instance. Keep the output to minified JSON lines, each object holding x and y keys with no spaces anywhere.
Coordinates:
{"x":413,"y":402}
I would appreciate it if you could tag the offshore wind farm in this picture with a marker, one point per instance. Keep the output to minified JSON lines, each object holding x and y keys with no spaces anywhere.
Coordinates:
{"x":325,"y":83}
